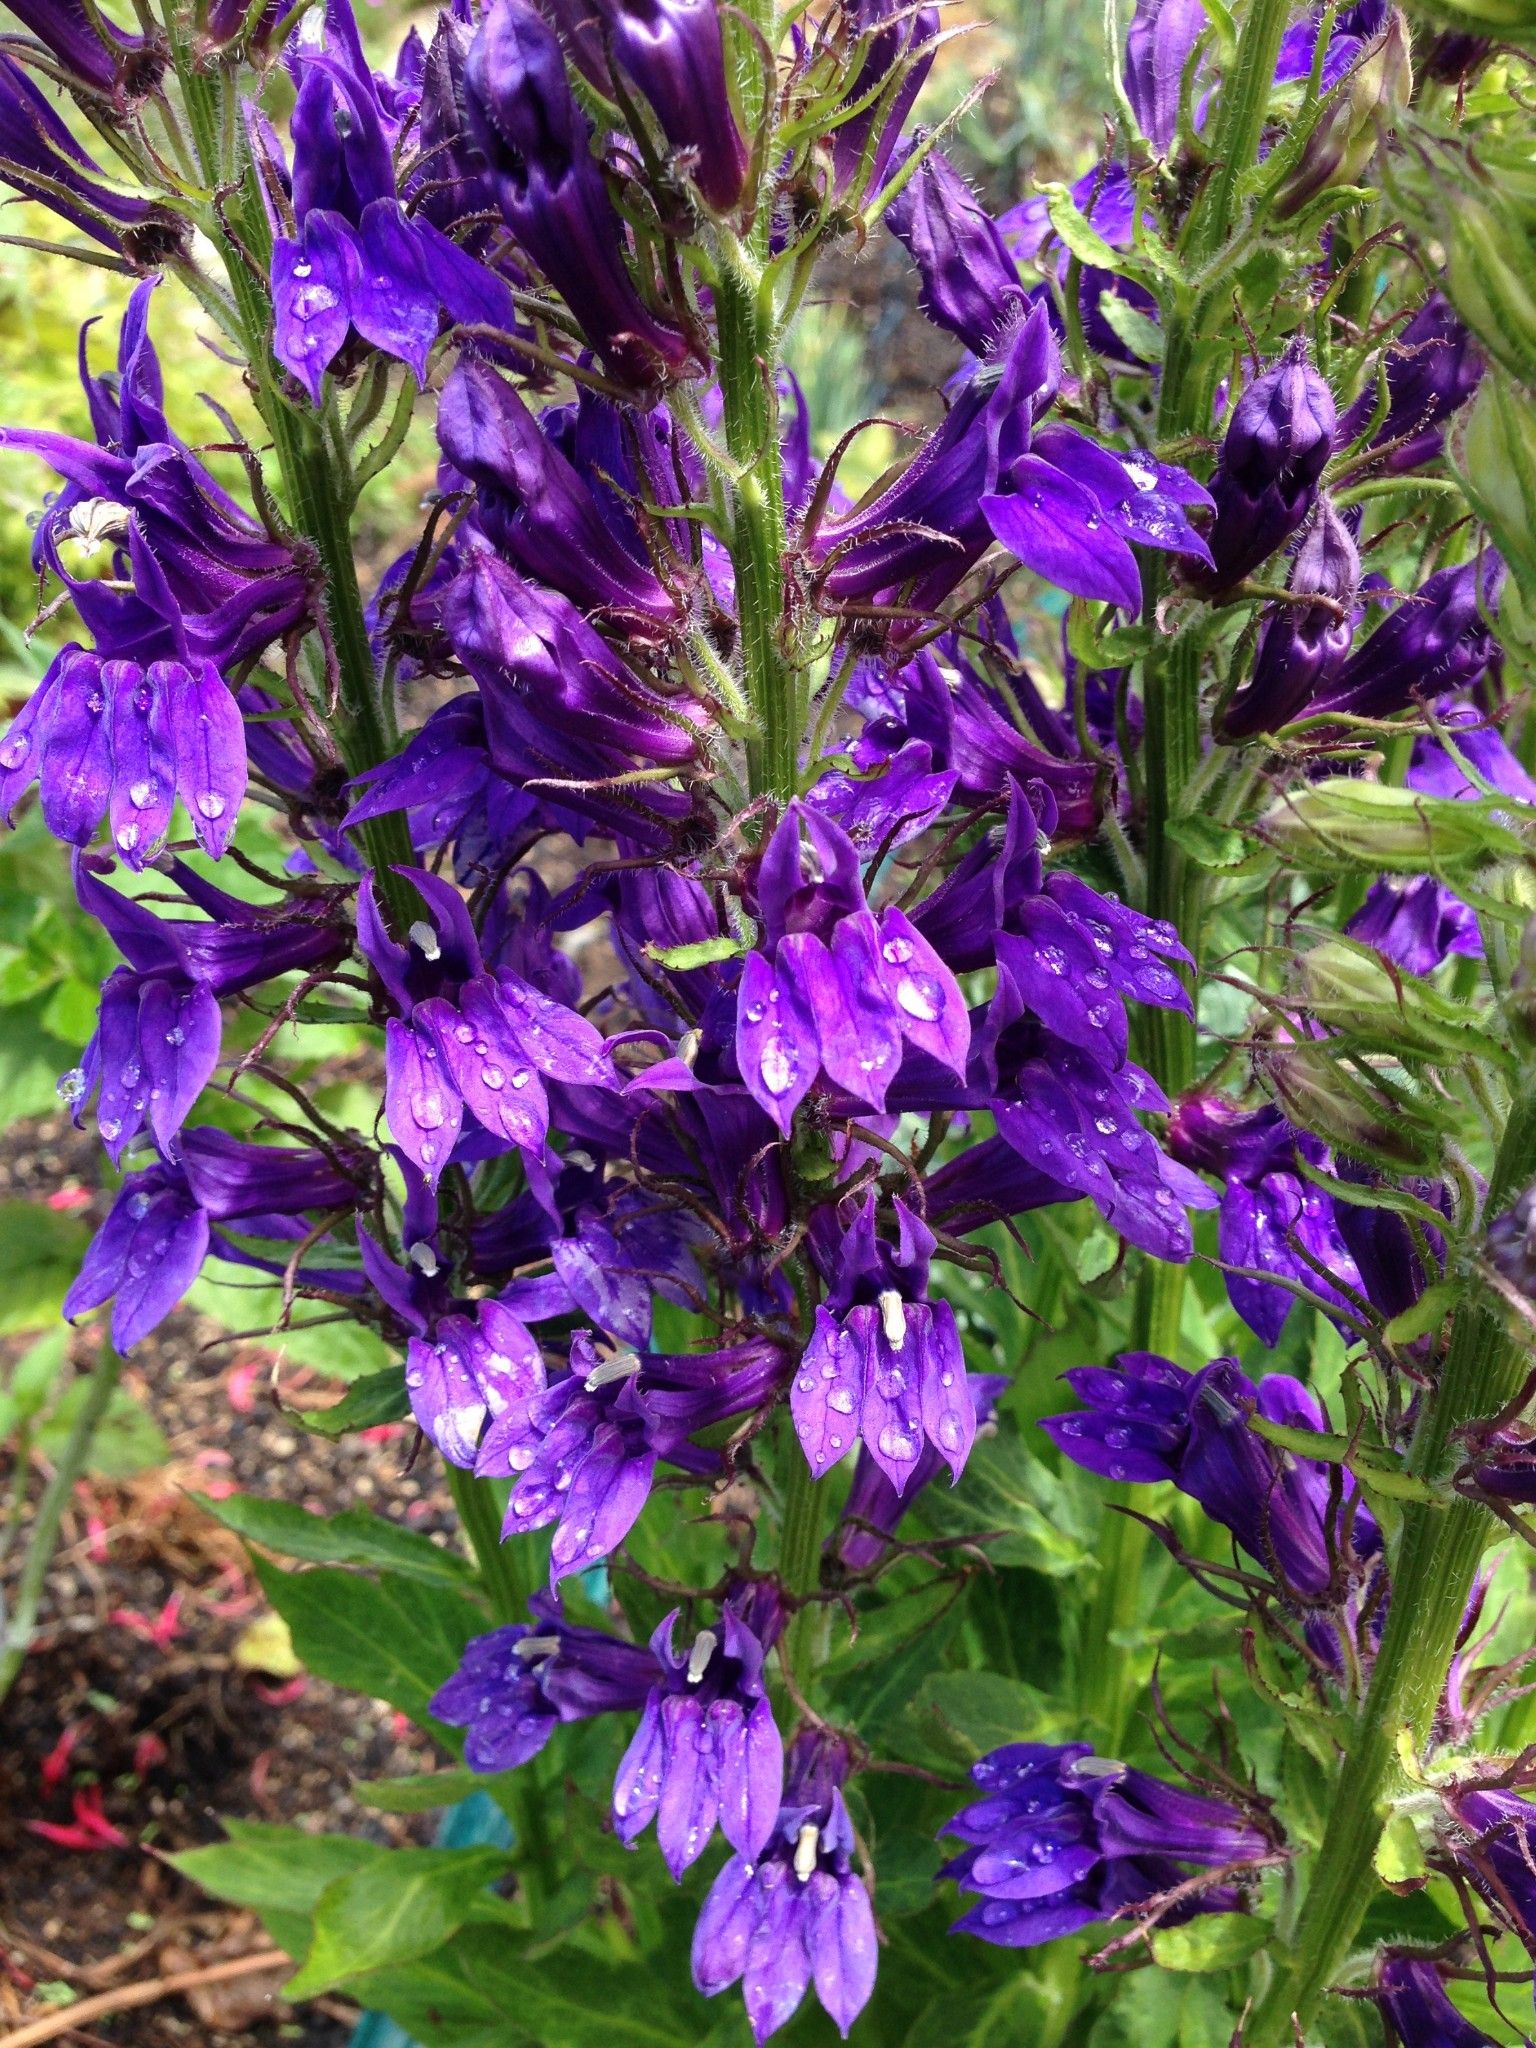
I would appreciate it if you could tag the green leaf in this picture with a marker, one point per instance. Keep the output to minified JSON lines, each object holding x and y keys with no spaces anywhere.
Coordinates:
{"x":426,"y":1791}
{"x":1399,"y":1857}
{"x":32,"y":1379}
{"x":40,"y":1254}
{"x":354,"y":1537}
{"x":699,"y":953}
{"x":1143,"y":337}
{"x":391,"y":1911}
{"x":127,"y":1439}
{"x":1215,"y":846}
{"x":971,"y":1712}
{"x":1008,"y":1489}
{"x":1075,"y":230}
{"x":343,"y":1351}
{"x":274,"y":1868}
{"x":1426,"y":1314}
{"x":381,"y":1397}
{"x":1212,"y":1941}
{"x":389,"y":1637}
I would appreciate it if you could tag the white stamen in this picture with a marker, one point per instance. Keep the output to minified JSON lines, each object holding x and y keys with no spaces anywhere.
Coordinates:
{"x":688,"y":1047}
{"x":893,"y":1318}
{"x":96,"y":520}
{"x":619,"y":1367}
{"x":705,"y":1644}
{"x":807,"y":1842}
{"x":424,"y":1259}
{"x":531,"y":1647}
{"x":425,"y":940}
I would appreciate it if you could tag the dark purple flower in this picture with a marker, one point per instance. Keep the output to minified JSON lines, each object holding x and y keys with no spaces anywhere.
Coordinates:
{"x":1301,"y":647}
{"x":1473,"y":747}
{"x":1158,"y":46}
{"x":592,"y":1443}
{"x":837,"y":989}
{"x":41,"y":159}
{"x":1512,"y":1243}
{"x":1431,"y":370}
{"x":515,"y":1685}
{"x":1274,"y":1219}
{"x":100,"y":58}
{"x":553,"y":196}
{"x":873,"y":1505}
{"x":1492,"y":1841}
{"x":707,"y":1748}
{"x":1277,"y":445}
{"x":673,"y":52}
{"x":1066,"y":508}
{"x":1395,"y":1262}
{"x":1435,"y":640}
{"x":1061,"y":1838}
{"x":1106,"y":197}
{"x":1149,"y":1420}
{"x":797,"y":1913}
{"x":1410,"y":1990}
{"x":898,"y":40}
{"x":884,"y":1365}
{"x":1417,"y":922}
{"x":970,"y":282}
{"x":537,"y":509}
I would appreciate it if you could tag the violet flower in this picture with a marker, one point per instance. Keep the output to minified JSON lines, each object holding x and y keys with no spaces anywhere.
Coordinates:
{"x":1061,"y":1838}
{"x":1410,"y":1992}
{"x":552,"y":193}
{"x":1431,"y":369}
{"x":970,"y":283}
{"x":517,"y":1684}
{"x":1158,"y":46}
{"x":797,"y":1913}
{"x":1416,"y":922}
{"x":1148,"y":1420}
{"x":873,"y":1508}
{"x":884,"y":1365}
{"x":898,"y":41}
{"x":1106,"y":197}
{"x":40,"y":159}
{"x":707,"y":1748}
{"x":836,"y":989}
{"x":1301,"y":648}
{"x":674,"y":53}
{"x":101,"y":59}
{"x":1277,"y":445}
{"x":1492,"y":1842}
{"x":1435,"y":640}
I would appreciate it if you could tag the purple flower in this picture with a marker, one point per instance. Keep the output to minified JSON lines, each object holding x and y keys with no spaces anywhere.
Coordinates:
{"x":1431,"y":370}
{"x":552,"y":193}
{"x":898,"y":41}
{"x":884,"y":1365}
{"x":1512,"y":1243}
{"x":1274,"y":1219}
{"x":1417,"y":922}
{"x":41,"y":159}
{"x":1277,"y":445}
{"x":538,"y":510}
{"x":1106,"y":197}
{"x":1410,"y":1990}
{"x":475,"y":1371}
{"x":1064,"y":507}
{"x":1434,"y":641}
{"x":591,"y":1446}
{"x":1301,"y":647}
{"x":515,"y":1685}
{"x":1395,"y":1262}
{"x":1061,"y":1838}
{"x":707,"y":1747}
{"x":102,"y":60}
{"x":672,"y":50}
{"x":873,"y":1507}
{"x":1149,"y":1420}
{"x":836,"y":989}
{"x":120,"y":740}
{"x":1158,"y":46}
{"x":1492,"y":1842}
{"x":796,"y":1914}
{"x":970,"y":282}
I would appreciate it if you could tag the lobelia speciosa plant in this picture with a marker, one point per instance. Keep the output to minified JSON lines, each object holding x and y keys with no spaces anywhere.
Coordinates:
{"x":823,"y":948}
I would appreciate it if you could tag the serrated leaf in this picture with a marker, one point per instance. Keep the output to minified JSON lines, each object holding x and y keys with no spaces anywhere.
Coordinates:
{"x":1077,"y":232}
{"x":353,"y":1537}
{"x":698,"y":953}
{"x":972,"y":1712}
{"x":381,"y":1397}
{"x":278,"y":1868}
{"x":390,"y":1637}
{"x":1215,"y":846}
{"x":1142,"y":336}
{"x":1212,"y":1941}
{"x":391,"y":1911}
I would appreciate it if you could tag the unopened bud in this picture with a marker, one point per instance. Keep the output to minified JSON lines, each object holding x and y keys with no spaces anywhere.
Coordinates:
{"x":1354,"y":118}
{"x":1340,"y":825}
{"x":1355,"y":1106}
{"x":1350,"y":989}
{"x":1495,"y":461}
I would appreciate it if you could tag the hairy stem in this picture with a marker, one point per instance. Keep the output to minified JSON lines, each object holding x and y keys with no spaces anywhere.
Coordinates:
{"x":43,"y":1541}
{"x":800,"y":1554}
{"x":1432,"y":1577}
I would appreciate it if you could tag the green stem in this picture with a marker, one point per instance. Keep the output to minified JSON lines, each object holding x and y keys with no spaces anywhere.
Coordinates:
{"x":43,"y":1541}
{"x":1437,"y":1561}
{"x":1239,"y":127}
{"x":481,"y":1504}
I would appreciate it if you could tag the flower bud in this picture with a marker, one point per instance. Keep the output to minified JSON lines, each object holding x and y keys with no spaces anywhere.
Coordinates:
{"x":1495,"y":460}
{"x":1357,"y":1109}
{"x":1511,"y":1244}
{"x":1301,"y":646}
{"x":1437,"y":639}
{"x":1431,"y":369}
{"x":1353,"y":119}
{"x":970,"y":283}
{"x":1340,"y":825}
{"x":1277,"y":445}
{"x":673,"y":52}
{"x":1158,"y":47}
{"x":1490,"y":271}
{"x":1350,"y":988}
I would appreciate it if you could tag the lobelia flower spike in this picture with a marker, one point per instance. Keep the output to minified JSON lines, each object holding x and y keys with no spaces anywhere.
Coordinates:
{"x":707,"y":1749}
{"x":884,"y":1365}
{"x":517,"y":1684}
{"x":797,"y":1913}
{"x":1277,"y":445}
{"x":1061,"y":1838}
{"x":1301,"y":647}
